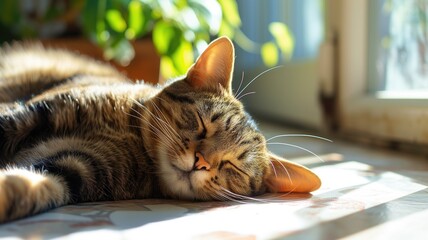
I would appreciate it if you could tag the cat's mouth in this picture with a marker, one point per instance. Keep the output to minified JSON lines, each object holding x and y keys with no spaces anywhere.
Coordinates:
{"x":199,"y":164}
{"x":182,"y":174}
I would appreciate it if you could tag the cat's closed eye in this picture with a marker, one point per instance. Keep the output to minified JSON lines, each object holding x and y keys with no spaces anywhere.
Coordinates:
{"x":203,"y":133}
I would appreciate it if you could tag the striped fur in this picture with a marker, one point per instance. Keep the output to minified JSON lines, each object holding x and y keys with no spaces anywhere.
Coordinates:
{"x":75,"y":130}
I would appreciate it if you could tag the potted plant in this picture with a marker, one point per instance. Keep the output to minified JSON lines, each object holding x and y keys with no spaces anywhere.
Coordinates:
{"x":178,"y":30}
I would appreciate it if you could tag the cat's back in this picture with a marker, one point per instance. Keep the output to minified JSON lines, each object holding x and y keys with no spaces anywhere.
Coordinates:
{"x":20,"y":61}
{"x":30,"y":72}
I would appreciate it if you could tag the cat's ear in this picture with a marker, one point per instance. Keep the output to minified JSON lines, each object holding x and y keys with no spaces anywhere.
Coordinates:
{"x":214,"y":67}
{"x":290,"y":177}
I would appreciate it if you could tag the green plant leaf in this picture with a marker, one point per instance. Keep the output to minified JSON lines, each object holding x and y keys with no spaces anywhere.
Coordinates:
{"x":10,"y":11}
{"x":283,"y":38}
{"x":167,"y":8}
{"x":230,"y":12}
{"x":93,"y":22}
{"x":167,"y":68}
{"x":89,"y":19}
{"x":226,"y":30}
{"x":183,"y":57}
{"x":269,"y":53}
{"x":136,"y":19}
{"x":178,"y":63}
{"x":209,"y":13}
{"x":115,"y":20}
{"x":188,"y":18}
{"x":121,"y":51}
{"x":102,"y":35}
{"x":166,"y":38}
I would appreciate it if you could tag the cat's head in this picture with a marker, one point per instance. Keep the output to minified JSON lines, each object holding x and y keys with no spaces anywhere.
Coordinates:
{"x":207,"y":146}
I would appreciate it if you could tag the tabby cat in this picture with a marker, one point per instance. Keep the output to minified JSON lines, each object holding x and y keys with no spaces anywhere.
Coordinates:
{"x":75,"y":130}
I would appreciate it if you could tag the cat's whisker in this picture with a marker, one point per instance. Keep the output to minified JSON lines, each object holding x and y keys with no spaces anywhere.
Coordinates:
{"x":273,"y":169}
{"x":248,"y":84}
{"x":139,"y":118}
{"x":164,"y":126}
{"x":172,"y":136}
{"x":279,"y":197}
{"x":216,"y":197}
{"x":222,"y":197}
{"x":243,"y":196}
{"x":240,"y":83}
{"x":232,"y":198}
{"x":166,"y":121}
{"x":159,"y":122}
{"x":224,"y":194}
{"x":153,"y":130}
{"x":302,"y":148}
{"x":214,"y":192}
{"x":286,"y":171}
{"x":167,"y":143}
{"x":162,"y":130}
{"x":142,"y":106}
{"x":158,"y":126}
{"x":300,"y":135}
{"x":142,"y":118}
{"x":245,"y":94}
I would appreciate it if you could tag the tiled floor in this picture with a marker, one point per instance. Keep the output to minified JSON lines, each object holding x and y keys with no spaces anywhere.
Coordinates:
{"x":367,"y":193}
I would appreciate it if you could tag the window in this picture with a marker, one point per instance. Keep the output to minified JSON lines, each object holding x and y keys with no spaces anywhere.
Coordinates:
{"x":374,"y":80}
{"x":398,"y":48}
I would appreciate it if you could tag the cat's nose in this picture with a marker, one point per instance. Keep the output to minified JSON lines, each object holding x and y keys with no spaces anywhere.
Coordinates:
{"x":200,"y":163}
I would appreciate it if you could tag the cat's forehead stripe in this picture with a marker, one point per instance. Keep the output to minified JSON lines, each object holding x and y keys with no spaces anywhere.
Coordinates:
{"x":215,"y":116}
{"x":228,"y":121}
{"x":243,"y":154}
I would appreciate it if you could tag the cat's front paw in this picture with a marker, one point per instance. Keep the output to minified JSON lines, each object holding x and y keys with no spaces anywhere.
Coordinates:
{"x":24,"y":193}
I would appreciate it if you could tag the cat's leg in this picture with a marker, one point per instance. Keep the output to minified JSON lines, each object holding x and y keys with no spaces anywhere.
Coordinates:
{"x":26,"y":192}
{"x":54,"y":178}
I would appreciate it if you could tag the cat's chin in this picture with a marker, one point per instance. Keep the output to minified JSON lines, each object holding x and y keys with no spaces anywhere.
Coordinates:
{"x":189,"y":182}
{"x":182,"y":174}
{"x":176,"y":182}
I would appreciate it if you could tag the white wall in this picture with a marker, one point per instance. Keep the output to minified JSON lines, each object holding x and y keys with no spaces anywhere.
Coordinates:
{"x":288,"y":94}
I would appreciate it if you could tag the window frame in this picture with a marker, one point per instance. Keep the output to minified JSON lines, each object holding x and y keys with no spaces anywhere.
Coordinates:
{"x":362,"y":113}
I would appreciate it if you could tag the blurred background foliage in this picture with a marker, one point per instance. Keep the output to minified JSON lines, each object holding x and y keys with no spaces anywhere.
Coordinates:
{"x":180,"y":29}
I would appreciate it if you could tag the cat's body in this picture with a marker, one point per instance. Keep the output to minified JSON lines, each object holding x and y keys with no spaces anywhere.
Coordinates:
{"x":74,"y":130}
